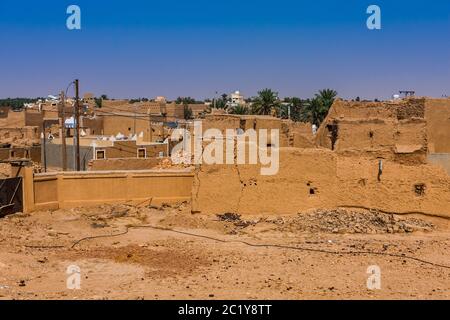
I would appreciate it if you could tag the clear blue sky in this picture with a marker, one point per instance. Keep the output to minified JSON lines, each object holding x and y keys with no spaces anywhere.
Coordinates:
{"x":140,"y":48}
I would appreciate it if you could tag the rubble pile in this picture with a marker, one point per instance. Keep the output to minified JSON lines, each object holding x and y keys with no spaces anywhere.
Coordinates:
{"x":347,"y":221}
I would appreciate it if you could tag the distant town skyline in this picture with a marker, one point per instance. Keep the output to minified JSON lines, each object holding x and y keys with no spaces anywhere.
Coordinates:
{"x":155,"y":48}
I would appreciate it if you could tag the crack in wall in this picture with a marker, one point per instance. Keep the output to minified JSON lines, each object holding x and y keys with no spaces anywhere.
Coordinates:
{"x":236,"y":165}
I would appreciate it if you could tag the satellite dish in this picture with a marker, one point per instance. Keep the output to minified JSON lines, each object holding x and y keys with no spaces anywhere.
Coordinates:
{"x":120,"y":136}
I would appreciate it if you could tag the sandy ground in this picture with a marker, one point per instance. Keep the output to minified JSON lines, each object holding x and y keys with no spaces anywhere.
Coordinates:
{"x":215,"y":257}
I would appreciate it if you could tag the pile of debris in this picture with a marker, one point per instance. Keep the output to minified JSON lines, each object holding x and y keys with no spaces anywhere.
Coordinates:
{"x":236,"y":220}
{"x":347,"y":221}
{"x":104,"y":215}
{"x":179,"y":163}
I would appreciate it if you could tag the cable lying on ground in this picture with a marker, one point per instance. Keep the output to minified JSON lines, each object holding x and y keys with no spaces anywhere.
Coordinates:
{"x":401,"y":256}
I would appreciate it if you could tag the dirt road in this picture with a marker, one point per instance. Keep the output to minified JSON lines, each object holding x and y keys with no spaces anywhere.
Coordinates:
{"x":318,"y":255}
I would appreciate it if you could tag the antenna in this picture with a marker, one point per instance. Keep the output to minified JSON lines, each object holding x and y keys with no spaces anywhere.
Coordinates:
{"x":407,"y":93}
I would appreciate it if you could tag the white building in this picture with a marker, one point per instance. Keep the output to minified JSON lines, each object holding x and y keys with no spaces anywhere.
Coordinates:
{"x":237,"y":98}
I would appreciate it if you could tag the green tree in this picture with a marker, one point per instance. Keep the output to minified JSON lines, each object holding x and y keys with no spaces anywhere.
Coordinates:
{"x":185,"y":100}
{"x":17,"y":103}
{"x":98,"y":102}
{"x":266,"y":101}
{"x":187,"y":112}
{"x":327,"y":97}
{"x":316,"y":109}
{"x":298,"y":109}
{"x":222,"y":102}
{"x":239,"y":109}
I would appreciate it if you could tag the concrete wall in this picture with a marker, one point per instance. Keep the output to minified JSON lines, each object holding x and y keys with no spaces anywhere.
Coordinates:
{"x":54,"y":156}
{"x":73,"y":189}
{"x":440,"y":159}
{"x":118,"y":150}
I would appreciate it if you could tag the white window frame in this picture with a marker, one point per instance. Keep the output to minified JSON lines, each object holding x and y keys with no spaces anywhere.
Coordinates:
{"x":100,"y":150}
{"x":145,"y":153}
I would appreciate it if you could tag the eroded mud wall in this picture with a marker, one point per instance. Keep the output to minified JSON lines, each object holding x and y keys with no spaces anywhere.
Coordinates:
{"x":310,"y":179}
{"x":437,"y":115}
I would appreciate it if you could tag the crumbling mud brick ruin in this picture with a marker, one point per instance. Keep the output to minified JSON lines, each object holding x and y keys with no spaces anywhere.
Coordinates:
{"x":388,"y":156}
{"x":392,"y":157}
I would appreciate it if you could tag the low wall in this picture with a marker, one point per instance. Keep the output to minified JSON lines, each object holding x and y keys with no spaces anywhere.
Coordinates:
{"x":72,"y":189}
{"x":124,"y":164}
{"x":314,"y":178}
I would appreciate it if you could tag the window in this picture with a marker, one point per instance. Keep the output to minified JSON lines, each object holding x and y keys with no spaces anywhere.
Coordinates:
{"x":142,"y":153}
{"x":12,"y":154}
{"x":100,"y":154}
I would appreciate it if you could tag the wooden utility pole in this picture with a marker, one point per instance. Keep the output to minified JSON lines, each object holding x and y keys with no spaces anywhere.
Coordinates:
{"x":44,"y":142}
{"x":135,"y":115}
{"x":77,"y":129}
{"x":62,"y":124}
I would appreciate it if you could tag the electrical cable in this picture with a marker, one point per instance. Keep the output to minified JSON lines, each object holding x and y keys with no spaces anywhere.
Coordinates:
{"x":401,"y":256}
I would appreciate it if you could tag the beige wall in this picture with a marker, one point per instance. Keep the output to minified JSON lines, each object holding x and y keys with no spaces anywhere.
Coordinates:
{"x":11,"y":119}
{"x":72,"y":189}
{"x":310,"y":179}
{"x":437,"y":114}
{"x":391,"y":130}
{"x":292,"y":134}
{"x":32,"y":153}
{"x":129,"y":149}
{"x":112,"y":125}
{"x":24,"y":136}
{"x":123,"y":164}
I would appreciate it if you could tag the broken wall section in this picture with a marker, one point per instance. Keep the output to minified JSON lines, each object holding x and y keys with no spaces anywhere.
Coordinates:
{"x":395,"y":131}
{"x":292,"y":134}
{"x":311,"y":179}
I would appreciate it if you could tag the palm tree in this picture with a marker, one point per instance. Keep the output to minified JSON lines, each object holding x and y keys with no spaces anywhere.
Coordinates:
{"x":220,"y":104}
{"x":316,"y":111}
{"x":298,"y":110}
{"x":317,"y":108}
{"x":239,"y":109}
{"x":327,"y":97}
{"x":187,"y":112}
{"x":266,"y":101}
